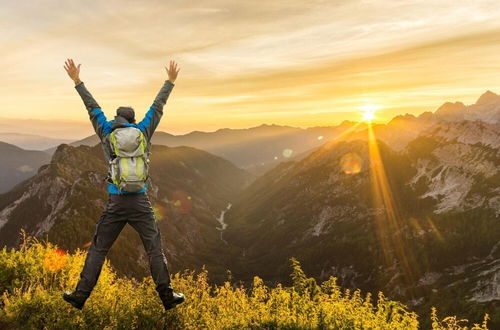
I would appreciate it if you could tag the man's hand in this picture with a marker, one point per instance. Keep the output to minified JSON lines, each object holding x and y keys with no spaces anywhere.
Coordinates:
{"x":172,"y":71}
{"x":73,"y":70}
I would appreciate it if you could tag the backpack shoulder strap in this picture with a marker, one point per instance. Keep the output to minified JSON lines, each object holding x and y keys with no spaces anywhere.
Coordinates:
{"x":142,"y":142}
{"x":112,"y":142}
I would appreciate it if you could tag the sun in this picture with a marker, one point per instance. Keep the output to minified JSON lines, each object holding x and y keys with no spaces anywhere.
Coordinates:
{"x":369,"y":112}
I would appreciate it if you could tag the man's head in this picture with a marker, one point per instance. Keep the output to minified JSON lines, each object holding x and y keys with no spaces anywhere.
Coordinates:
{"x":127,"y":113}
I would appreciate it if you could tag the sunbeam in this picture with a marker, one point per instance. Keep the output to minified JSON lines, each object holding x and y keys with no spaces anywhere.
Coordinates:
{"x":388,"y":221}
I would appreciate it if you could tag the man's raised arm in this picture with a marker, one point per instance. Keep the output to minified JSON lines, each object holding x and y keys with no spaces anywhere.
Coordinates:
{"x":101,"y":126}
{"x":152,"y":118}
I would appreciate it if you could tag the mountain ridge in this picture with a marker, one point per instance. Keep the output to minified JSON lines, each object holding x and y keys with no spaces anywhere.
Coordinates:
{"x":236,"y":144}
{"x":63,"y":201}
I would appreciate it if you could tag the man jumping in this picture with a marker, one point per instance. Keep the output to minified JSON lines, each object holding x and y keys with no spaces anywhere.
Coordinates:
{"x":126,"y":146}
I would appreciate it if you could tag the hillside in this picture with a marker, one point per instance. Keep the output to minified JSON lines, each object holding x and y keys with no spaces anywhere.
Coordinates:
{"x":65,"y":199}
{"x":432,"y":220}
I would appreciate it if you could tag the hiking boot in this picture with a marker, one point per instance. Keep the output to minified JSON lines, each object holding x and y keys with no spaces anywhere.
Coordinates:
{"x":75,"y":298}
{"x":172,"y":300}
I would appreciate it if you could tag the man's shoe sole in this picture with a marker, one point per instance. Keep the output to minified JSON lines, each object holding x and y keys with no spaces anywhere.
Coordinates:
{"x":174,"y":303}
{"x":75,"y":304}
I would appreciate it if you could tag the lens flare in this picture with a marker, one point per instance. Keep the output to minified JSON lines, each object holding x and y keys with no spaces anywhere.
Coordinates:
{"x":344,"y":135}
{"x":181,"y":201}
{"x":54,"y":260}
{"x":351,"y":163}
{"x":287,"y":152}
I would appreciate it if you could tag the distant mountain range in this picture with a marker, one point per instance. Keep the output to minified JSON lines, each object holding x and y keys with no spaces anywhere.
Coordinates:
{"x":30,"y":141}
{"x":260,"y":148}
{"x":17,"y":164}
{"x":255,"y":149}
{"x":486,"y":108}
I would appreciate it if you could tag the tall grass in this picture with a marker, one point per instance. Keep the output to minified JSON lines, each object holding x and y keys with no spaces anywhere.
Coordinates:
{"x":33,"y":277}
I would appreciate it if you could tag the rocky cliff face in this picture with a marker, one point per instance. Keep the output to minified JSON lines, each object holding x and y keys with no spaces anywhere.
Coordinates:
{"x":458,"y":164}
{"x":75,"y":175}
{"x":64,"y":200}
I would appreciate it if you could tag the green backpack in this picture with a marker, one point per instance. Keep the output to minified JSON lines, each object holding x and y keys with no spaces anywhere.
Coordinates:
{"x":129,"y":168}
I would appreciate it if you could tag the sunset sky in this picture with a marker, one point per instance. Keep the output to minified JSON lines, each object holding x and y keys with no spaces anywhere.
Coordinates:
{"x":243,"y":63}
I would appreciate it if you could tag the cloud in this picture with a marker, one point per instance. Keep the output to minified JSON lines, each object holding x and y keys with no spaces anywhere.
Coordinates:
{"x":248,"y":62}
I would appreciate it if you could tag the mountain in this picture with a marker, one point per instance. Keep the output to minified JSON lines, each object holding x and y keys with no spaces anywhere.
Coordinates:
{"x":450,"y":109}
{"x":255,"y":149}
{"x":402,"y":129}
{"x":486,"y":108}
{"x":189,"y":190}
{"x":30,"y":141}
{"x":423,"y":228}
{"x":488,"y":98}
{"x":17,"y":164}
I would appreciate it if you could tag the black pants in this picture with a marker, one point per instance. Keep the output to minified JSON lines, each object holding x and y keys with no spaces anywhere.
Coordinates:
{"x":136,"y":210}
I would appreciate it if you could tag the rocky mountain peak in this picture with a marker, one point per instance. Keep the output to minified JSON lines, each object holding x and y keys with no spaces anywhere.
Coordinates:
{"x":450,"y":108}
{"x":78,"y":159}
{"x":402,"y":118}
{"x":427,"y":115}
{"x":488,"y":97}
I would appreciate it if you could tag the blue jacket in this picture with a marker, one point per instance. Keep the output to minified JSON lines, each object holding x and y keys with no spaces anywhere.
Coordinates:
{"x":103,"y":127}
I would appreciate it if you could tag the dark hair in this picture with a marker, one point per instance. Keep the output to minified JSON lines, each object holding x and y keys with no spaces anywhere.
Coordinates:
{"x":126,"y":112}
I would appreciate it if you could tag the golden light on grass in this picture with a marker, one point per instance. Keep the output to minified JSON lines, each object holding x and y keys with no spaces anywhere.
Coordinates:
{"x":369,"y":112}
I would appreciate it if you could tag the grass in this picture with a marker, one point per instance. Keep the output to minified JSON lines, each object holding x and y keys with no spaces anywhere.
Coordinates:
{"x":33,"y":277}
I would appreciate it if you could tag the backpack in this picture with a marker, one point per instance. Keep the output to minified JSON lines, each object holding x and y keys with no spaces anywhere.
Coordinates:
{"x":130,"y":165}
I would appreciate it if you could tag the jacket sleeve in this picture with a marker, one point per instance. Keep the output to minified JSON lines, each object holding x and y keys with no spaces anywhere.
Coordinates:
{"x":101,"y":126}
{"x":153,"y":115}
